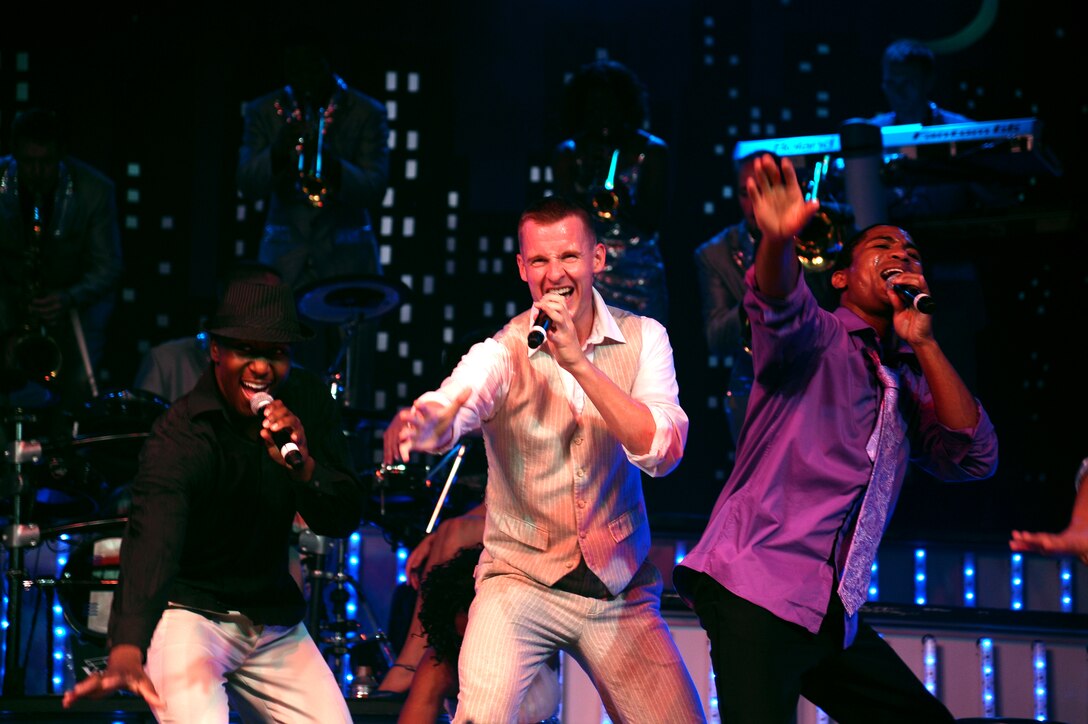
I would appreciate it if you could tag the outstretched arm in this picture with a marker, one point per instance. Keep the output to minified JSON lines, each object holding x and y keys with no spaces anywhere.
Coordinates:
{"x":1071,"y":541}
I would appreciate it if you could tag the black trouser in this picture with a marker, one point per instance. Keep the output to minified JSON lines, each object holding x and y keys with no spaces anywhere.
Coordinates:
{"x":762,"y":665}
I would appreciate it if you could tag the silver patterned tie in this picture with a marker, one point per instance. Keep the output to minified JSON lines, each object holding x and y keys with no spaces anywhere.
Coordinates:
{"x":882,"y":447}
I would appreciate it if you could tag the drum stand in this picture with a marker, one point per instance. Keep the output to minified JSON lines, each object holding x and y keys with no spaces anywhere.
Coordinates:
{"x":338,"y":375}
{"x":334,"y":632}
{"x":16,"y":537}
{"x":349,"y":301}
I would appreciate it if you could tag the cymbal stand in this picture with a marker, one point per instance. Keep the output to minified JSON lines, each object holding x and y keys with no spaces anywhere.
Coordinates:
{"x":339,"y":371}
{"x":16,"y":537}
{"x":335,"y":633}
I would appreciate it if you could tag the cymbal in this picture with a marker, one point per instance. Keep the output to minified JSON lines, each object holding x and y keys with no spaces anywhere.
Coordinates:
{"x":343,"y":299}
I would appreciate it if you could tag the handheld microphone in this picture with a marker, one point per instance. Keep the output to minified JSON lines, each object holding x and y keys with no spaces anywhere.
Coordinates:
{"x":282,"y":437}
{"x":539,"y":331}
{"x":915,"y":297}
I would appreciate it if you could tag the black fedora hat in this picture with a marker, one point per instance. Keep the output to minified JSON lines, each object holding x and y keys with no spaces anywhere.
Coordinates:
{"x":260,"y":313}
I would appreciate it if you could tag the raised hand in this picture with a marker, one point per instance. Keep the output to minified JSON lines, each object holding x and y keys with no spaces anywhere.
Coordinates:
{"x":779,"y":206}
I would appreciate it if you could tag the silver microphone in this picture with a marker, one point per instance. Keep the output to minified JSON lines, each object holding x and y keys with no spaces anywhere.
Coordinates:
{"x":282,"y":437}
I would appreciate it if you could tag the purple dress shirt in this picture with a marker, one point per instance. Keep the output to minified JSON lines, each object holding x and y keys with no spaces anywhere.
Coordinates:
{"x":781,"y":526}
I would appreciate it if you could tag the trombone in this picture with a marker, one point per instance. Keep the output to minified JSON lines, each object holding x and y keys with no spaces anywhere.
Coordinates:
{"x":821,"y":239}
{"x":605,"y":199}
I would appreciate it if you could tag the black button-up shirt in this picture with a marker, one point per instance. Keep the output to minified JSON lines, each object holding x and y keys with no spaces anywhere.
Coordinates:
{"x":211,"y":515}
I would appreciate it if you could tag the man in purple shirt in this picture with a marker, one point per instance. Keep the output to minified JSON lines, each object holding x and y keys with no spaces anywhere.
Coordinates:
{"x":764,"y":577}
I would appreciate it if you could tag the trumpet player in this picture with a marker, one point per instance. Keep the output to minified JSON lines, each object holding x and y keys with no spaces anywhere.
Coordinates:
{"x":721,"y":263}
{"x":61,"y":246}
{"x":317,"y":150}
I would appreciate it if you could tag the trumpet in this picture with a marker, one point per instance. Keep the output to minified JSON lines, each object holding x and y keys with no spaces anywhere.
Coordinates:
{"x":310,"y":146}
{"x":310,"y":149}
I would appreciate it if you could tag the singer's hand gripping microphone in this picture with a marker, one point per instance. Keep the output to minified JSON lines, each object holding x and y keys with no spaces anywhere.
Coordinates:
{"x":281,"y":437}
{"x":539,"y":331}
{"x":914,"y":297}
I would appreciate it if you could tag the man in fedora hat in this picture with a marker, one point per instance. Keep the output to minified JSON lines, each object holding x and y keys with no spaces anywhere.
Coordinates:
{"x":206,"y":616}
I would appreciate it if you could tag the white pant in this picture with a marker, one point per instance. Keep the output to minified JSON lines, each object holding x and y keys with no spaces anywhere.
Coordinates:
{"x":201,"y":668}
{"x":624,"y":644}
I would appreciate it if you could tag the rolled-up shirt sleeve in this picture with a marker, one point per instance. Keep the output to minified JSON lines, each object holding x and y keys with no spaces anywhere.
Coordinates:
{"x":485,"y":370}
{"x":655,"y":386}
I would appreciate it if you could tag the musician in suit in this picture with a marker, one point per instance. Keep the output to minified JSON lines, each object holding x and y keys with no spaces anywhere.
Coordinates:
{"x":721,"y":263}
{"x":569,"y":426}
{"x":60,"y":274}
{"x":318,"y":150}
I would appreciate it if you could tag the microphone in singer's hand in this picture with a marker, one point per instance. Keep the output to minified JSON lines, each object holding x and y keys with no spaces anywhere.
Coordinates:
{"x":539,"y":331}
{"x":282,"y":437}
{"x":915,"y":297}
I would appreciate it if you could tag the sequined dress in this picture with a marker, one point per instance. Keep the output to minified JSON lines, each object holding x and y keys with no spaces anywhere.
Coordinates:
{"x":634,"y":275}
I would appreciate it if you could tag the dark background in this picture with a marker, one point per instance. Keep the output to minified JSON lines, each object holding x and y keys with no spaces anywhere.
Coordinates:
{"x":161,"y":92}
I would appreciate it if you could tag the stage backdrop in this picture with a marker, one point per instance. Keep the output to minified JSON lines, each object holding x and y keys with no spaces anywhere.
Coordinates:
{"x":154,"y":99}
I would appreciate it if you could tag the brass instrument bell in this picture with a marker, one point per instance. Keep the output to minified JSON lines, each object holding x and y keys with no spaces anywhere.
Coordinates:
{"x":605,"y":199}
{"x":33,"y":352}
{"x":821,"y":239}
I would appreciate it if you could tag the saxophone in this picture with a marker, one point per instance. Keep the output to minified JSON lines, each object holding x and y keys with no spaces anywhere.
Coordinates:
{"x":33,"y":352}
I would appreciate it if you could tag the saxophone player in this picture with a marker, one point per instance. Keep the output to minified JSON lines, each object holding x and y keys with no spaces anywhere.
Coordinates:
{"x":61,"y":241}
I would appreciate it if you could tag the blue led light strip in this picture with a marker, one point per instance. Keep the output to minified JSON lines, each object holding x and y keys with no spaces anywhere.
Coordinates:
{"x":969,"y":599}
{"x":1016,"y":582}
{"x":402,"y":561}
{"x":1066,"y":578}
{"x":929,"y":663}
{"x":1038,"y":658}
{"x":986,"y":673}
{"x":60,"y":626}
{"x":920,"y":576}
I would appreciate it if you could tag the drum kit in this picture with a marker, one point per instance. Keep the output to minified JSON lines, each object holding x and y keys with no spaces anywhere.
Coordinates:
{"x":64,"y":487}
{"x":65,"y":478}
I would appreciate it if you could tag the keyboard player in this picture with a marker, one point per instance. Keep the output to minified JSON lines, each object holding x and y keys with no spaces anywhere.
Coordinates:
{"x":924,"y":184}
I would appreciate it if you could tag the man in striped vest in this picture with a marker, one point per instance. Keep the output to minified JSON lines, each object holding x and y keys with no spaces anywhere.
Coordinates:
{"x":570,"y":417}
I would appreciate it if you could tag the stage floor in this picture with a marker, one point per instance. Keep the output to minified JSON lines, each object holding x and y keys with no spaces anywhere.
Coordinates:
{"x":130,"y":710}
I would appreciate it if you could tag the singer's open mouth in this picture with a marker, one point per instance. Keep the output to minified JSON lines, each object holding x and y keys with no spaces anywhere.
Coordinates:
{"x":252,"y":388}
